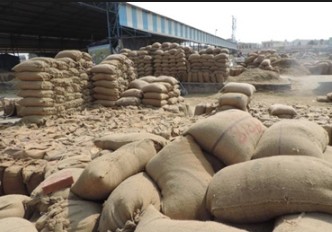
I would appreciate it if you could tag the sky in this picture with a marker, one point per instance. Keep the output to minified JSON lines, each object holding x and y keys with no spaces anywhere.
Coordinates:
{"x":255,"y":22}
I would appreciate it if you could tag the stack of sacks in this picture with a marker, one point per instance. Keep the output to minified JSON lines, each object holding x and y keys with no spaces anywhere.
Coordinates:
{"x":211,"y":66}
{"x":236,"y":95}
{"x":36,"y":87}
{"x":144,"y":63}
{"x":111,"y":78}
{"x":132,"y":55}
{"x":82,"y":62}
{"x":262,"y":59}
{"x":160,"y":91}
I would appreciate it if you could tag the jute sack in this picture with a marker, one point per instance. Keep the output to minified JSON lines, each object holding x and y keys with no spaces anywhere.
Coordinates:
{"x":230,"y":135}
{"x":154,"y":102}
{"x":32,"y":101}
{"x":76,"y":55}
{"x":292,"y":137}
{"x":156,"y":88}
{"x":104,"y":76}
{"x":327,"y":155}
{"x":259,"y":190}
{"x":116,"y":140}
{"x":13,"y":205}
{"x":152,"y":220}
{"x":106,"y":84}
{"x":183,"y":175}
{"x":41,"y":85}
{"x":31,"y":66}
{"x":154,"y":95}
{"x":105,"y":173}
{"x":106,"y":103}
{"x":234,"y":87}
{"x":70,"y":216}
{"x":138,"y":84}
{"x":168,"y":79}
{"x":128,"y":101}
{"x":26,"y":111}
{"x":281,"y":109}
{"x":105,"y":97}
{"x":36,"y":93}
{"x":16,"y":224}
{"x":106,"y":91}
{"x":237,"y":100}
{"x":304,"y":222}
{"x":33,"y":173}
{"x":128,"y":201}
{"x":148,"y":79}
{"x":132,"y":93}
{"x":104,"y":68}
{"x":44,"y":201}
{"x":12,"y":181}
{"x":33,"y":76}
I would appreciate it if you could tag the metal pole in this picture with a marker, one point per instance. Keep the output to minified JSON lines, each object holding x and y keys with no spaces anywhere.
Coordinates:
{"x":109,"y":34}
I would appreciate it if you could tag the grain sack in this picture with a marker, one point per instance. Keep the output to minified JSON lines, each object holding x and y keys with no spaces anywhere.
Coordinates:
{"x":154,"y":102}
{"x":200,"y":109}
{"x":148,"y":79}
{"x":33,"y":174}
{"x":138,"y":84}
{"x":106,"y":91}
{"x":132,"y":93}
{"x":327,"y":155}
{"x":76,"y":55}
{"x":13,"y":205}
{"x":16,"y":224}
{"x":230,"y":135}
{"x":155,"y":95}
{"x":128,"y":101}
{"x":106,"y":103}
{"x":167,"y":79}
{"x":38,"y":102}
{"x":41,"y":85}
{"x":105,"y":97}
{"x":292,"y":137}
{"x":12,"y":181}
{"x":116,"y":140}
{"x":282,"y":110}
{"x":106,"y":84}
{"x":104,"y":68}
{"x":44,"y":201}
{"x":155,"y":87}
{"x":183,"y":175}
{"x":36,"y":93}
{"x":304,"y":222}
{"x":26,"y":111}
{"x":70,"y":216}
{"x":237,"y":100}
{"x":105,"y":173}
{"x":234,"y":87}
{"x":152,"y":220}
{"x":128,"y":201}
{"x":105,"y":77}
{"x":31,"y":66}
{"x":259,"y":190}
{"x":33,"y":76}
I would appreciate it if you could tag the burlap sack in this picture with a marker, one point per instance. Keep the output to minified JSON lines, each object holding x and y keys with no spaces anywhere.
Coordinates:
{"x":148,"y":79}
{"x":36,"y":102}
{"x":71,"y":216}
{"x":104,"y":68}
{"x":16,"y":224}
{"x":41,"y":85}
{"x":128,"y":101}
{"x":106,"y":103}
{"x":33,"y":76}
{"x":76,"y":55}
{"x":304,"y":222}
{"x":33,"y":174}
{"x":104,"y":76}
{"x":132,"y":93}
{"x":106,"y":91}
{"x":154,"y":102}
{"x":183,"y":175}
{"x":234,"y":87}
{"x":36,"y":93}
{"x":105,"y":173}
{"x":281,"y":109}
{"x":230,"y":135}
{"x":154,"y":95}
{"x":292,"y":137}
{"x":44,"y":201}
{"x":128,"y":201}
{"x":259,"y":190}
{"x":31,"y":66}
{"x":237,"y":100}
{"x":167,"y":79}
{"x":13,"y":205}
{"x":152,"y":220}
{"x":155,"y":87}
{"x":106,"y":84}
{"x":105,"y":97}
{"x":116,"y":140}
{"x":12,"y":180}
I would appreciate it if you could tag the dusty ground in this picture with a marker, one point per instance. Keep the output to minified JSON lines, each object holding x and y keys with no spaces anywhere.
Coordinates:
{"x":73,"y":134}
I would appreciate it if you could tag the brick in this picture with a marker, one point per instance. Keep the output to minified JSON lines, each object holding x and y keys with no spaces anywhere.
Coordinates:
{"x":57,"y":183}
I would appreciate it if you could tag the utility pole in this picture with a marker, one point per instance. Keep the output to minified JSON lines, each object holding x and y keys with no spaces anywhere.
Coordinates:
{"x":233,"y":28}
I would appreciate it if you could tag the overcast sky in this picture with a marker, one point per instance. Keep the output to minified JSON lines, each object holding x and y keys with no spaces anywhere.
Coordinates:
{"x":256,"y":22}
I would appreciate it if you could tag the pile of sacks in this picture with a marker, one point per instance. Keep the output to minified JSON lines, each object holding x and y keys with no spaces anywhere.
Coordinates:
{"x":209,"y":66}
{"x":262,"y":59}
{"x":111,"y":78}
{"x":323,"y":67}
{"x":142,"y":61}
{"x":227,"y":172}
{"x":236,"y":96}
{"x":51,"y":86}
{"x":169,"y":59}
